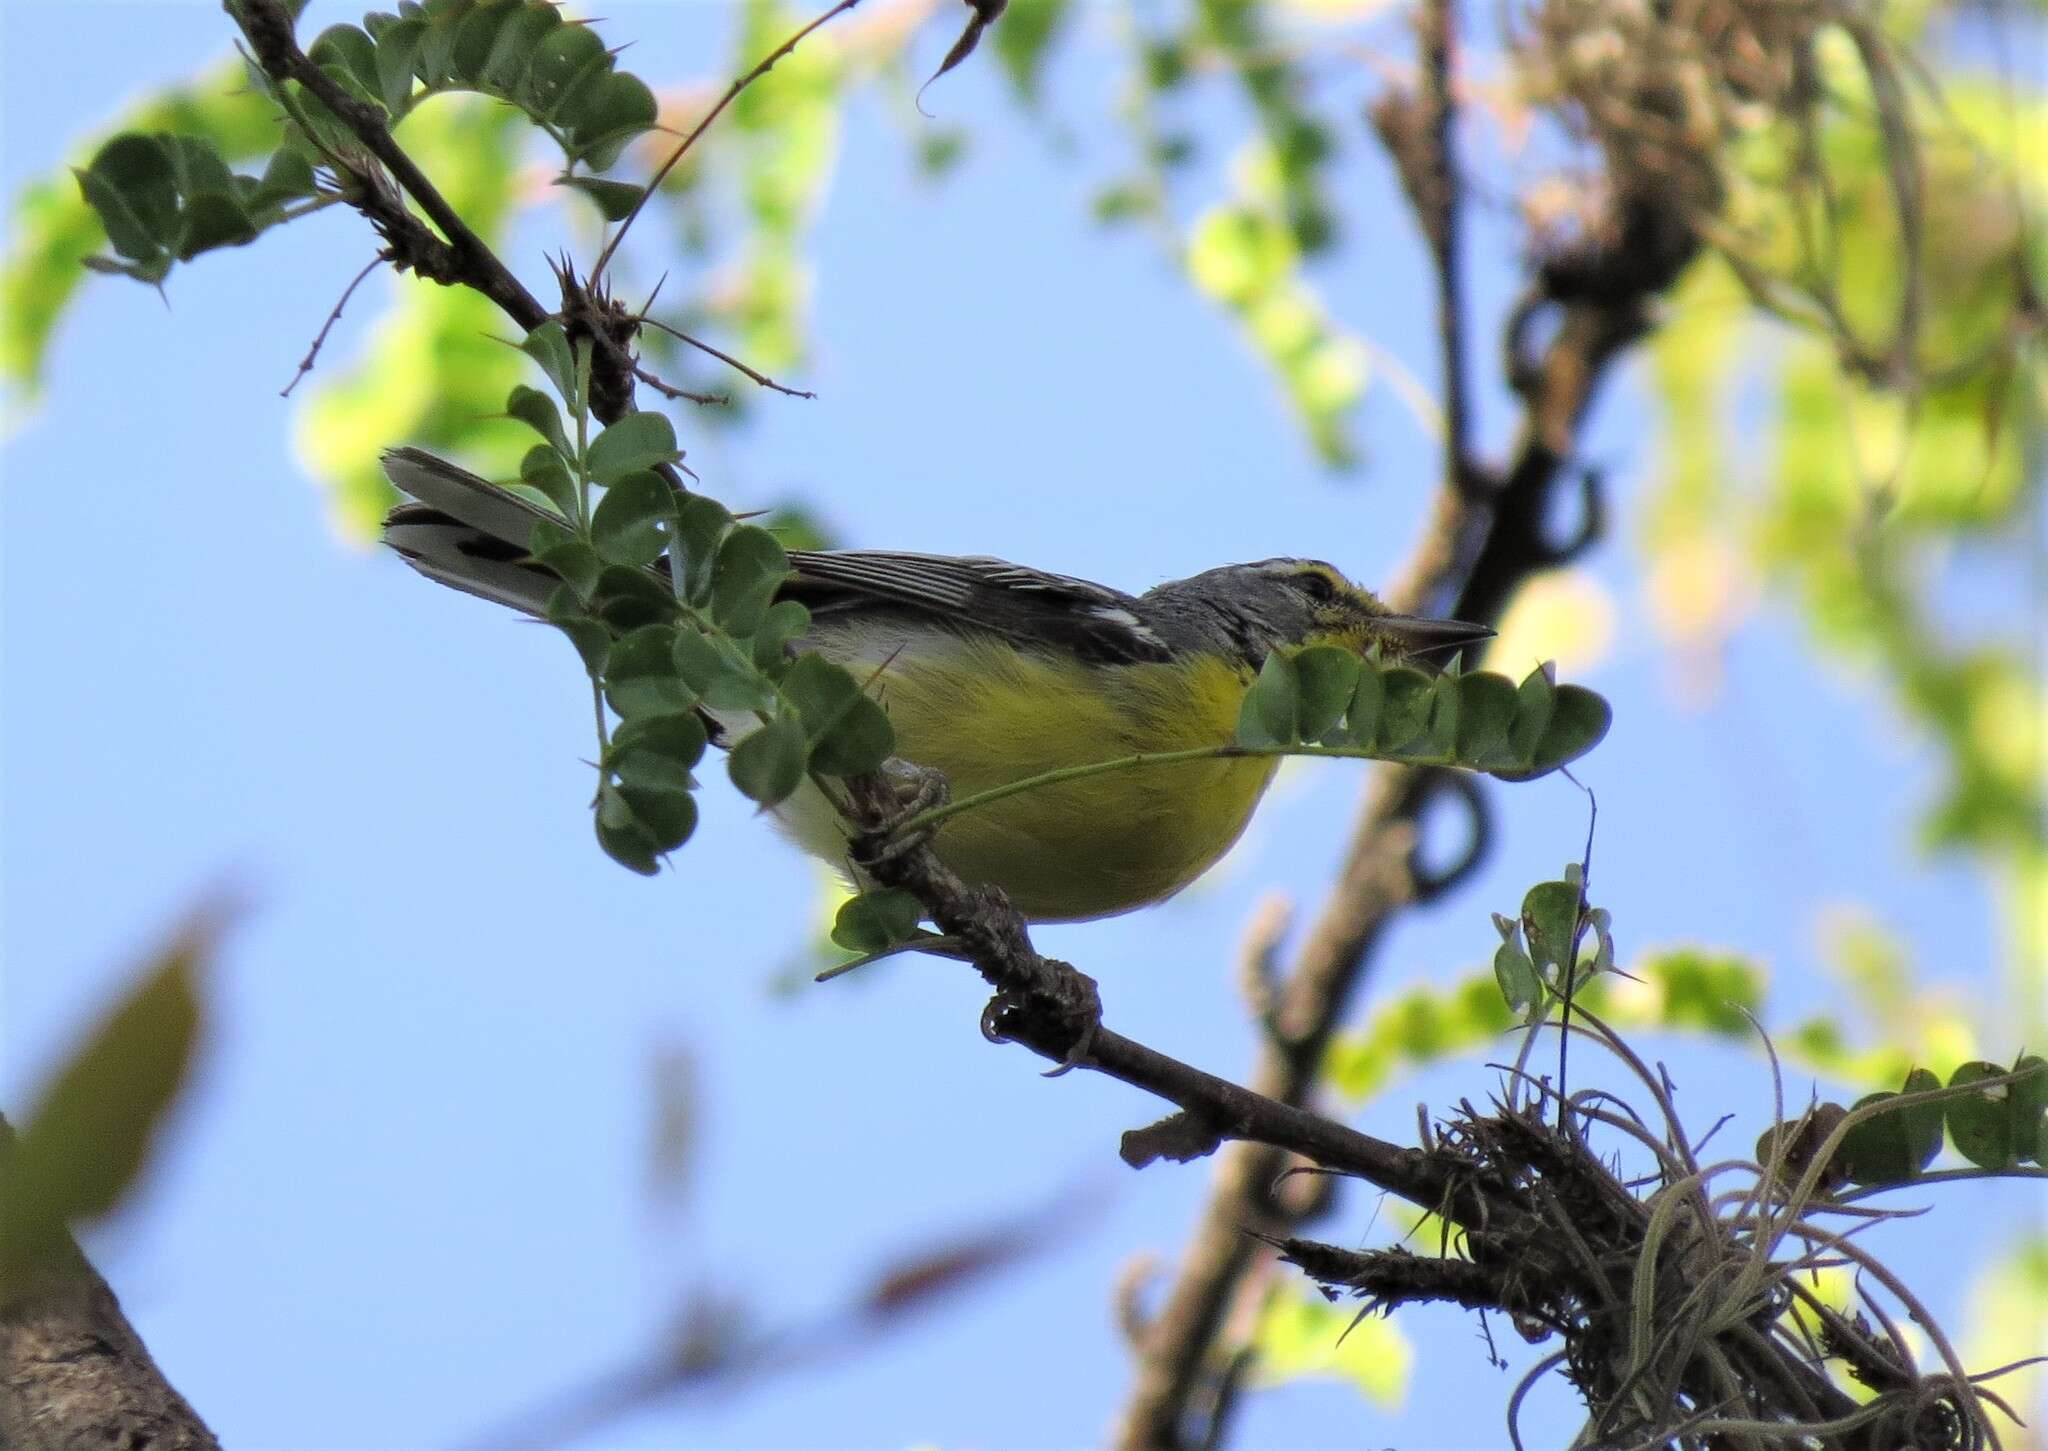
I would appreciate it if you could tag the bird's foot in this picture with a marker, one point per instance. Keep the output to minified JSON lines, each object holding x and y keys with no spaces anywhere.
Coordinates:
{"x":917,"y":790}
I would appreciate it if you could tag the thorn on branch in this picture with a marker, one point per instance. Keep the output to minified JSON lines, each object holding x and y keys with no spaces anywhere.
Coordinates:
{"x":985,"y":14}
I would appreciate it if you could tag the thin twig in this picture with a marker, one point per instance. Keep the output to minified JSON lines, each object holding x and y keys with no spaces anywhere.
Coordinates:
{"x":683,"y":147}
{"x":727,"y":358}
{"x":320,"y":338}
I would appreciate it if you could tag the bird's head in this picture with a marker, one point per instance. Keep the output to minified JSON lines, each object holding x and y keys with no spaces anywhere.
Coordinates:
{"x":1307,"y":602}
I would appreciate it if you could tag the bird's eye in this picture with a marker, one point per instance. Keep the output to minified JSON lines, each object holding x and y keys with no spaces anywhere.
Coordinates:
{"x":1318,"y":586}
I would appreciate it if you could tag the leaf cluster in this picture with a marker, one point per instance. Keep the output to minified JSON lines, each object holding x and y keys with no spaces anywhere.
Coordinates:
{"x":1544,"y":953}
{"x":1326,"y":695}
{"x":522,"y":52}
{"x":671,"y":603}
{"x":166,"y":197}
{"x":1998,"y":1127}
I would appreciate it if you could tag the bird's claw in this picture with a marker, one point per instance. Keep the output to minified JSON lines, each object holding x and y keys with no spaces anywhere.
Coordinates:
{"x":917,"y":790}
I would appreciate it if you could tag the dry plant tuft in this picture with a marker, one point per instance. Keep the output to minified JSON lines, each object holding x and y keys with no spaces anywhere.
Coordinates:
{"x":1689,"y":1300}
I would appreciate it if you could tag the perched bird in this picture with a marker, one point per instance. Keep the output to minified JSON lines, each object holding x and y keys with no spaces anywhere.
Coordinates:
{"x":992,"y":672}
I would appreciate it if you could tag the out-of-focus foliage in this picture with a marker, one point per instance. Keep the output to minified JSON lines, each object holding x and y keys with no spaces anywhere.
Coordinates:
{"x":89,"y":1134}
{"x":785,"y":138}
{"x":54,"y":229}
{"x":433,"y":370}
{"x":1301,"y":1337}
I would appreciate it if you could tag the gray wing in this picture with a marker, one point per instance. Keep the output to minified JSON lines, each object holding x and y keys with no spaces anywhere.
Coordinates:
{"x":975,"y":592}
{"x":469,"y":534}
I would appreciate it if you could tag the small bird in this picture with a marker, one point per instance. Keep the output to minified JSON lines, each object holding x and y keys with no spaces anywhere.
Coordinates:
{"x":992,"y":672}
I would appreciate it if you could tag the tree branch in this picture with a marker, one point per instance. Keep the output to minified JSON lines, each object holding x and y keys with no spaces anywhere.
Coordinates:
{"x":74,"y":1375}
{"x":464,"y":256}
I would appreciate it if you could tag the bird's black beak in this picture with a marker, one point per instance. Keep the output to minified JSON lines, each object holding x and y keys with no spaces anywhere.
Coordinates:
{"x":1417,"y":636}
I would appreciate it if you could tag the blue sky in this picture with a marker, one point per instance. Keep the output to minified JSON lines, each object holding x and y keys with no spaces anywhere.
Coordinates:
{"x":407,"y":1194}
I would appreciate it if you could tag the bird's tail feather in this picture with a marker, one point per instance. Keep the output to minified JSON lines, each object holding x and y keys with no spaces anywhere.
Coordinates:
{"x":466,"y":532}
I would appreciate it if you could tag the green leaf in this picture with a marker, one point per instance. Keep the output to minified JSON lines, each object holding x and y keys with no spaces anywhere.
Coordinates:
{"x":129,"y":183}
{"x":769,"y":764}
{"x":1447,"y":699}
{"x":549,"y":346}
{"x":563,"y":56}
{"x":545,"y":470}
{"x":751,"y":566}
{"x":615,"y":200}
{"x":1328,"y":677}
{"x":518,"y":40}
{"x":1535,"y":702}
{"x":398,"y":47}
{"x":1878,"y":1150}
{"x":602,"y":116}
{"x":1521,"y":986}
{"x":1272,"y":707}
{"x":622,"y":834}
{"x":1486,"y":714}
{"x":1579,"y":720}
{"x":476,"y":36}
{"x":701,"y":527}
{"x":1404,"y":713}
{"x":876,"y":920}
{"x":632,"y":521}
{"x":1923,"y":1122}
{"x":1980,"y":1124}
{"x":655,"y":786}
{"x":351,"y":57}
{"x":287,"y":177}
{"x":861,"y":741}
{"x":590,"y":637}
{"x":2029,"y":1105}
{"x":89,"y":1134}
{"x":1550,"y":921}
{"x":538,"y":412}
{"x":785,"y":622}
{"x":640,"y":675}
{"x":717,"y":669}
{"x":626,"y":598}
{"x":637,"y":441}
{"x":1024,"y":36}
{"x":679,"y":738}
{"x":1368,"y":699}
{"x":568,"y":556}
{"x":849,"y":731}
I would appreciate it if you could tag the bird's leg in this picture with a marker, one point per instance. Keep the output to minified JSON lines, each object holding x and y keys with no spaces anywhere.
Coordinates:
{"x":917,"y":790}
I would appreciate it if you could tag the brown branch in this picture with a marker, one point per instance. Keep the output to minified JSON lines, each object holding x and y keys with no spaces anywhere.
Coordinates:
{"x":74,"y":1375}
{"x":468,"y":261}
{"x":1053,"y":1009}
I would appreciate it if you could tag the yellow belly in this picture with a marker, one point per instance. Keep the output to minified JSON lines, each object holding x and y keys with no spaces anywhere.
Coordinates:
{"x":985,"y":715}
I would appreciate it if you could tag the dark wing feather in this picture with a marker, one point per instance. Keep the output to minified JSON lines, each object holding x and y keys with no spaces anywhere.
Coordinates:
{"x":974,"y":592}
{"x":471,"y":534}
